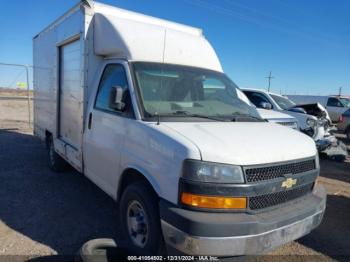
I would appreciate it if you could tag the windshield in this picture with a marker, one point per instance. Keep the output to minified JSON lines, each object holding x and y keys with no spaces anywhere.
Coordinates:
{"x":283,"y":102}
{"x":182,"y":91}
{"x":345,"y":101}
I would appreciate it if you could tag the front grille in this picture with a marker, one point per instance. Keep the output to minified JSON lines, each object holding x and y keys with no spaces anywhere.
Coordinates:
{"x":272,"y":172}
{"x":293,"y":125}
{"x":286,"y":123}
{"x":268,"y":200}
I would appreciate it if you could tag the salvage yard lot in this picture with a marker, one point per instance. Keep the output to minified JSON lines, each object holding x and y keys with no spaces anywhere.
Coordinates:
{"x":43,"y":213}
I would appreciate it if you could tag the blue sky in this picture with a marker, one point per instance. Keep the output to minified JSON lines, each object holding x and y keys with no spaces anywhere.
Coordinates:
{"x":306,"y":44}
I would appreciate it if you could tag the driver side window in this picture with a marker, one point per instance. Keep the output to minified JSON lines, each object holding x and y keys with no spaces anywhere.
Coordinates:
{"x":113,"y":75}
{"x":256,"y":98}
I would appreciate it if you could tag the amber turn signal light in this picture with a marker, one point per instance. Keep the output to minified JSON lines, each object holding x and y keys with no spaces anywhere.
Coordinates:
{"x":216,"y":202}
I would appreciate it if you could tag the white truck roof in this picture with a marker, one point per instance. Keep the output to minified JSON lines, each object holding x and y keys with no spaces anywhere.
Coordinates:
{"x":119,"y":33}
{"x":138,"y":37}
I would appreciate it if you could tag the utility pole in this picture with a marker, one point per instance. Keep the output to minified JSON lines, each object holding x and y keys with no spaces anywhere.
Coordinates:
{"x":340,"y":88}
{"x":269,"y":77}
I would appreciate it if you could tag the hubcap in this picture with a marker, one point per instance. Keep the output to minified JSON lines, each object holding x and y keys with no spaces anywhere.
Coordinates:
{"x":137,"y":224}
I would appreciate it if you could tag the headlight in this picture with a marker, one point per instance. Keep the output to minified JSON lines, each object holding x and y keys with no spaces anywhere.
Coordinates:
{"x":311,"y":122}
{"x":212,"y":172}
{"x":322,"y":122}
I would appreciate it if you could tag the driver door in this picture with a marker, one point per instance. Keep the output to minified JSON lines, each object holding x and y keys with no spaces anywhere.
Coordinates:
{"x":105,"y":132}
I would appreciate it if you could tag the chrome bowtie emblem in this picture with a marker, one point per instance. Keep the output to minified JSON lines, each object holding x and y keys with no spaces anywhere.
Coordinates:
{"x":289,"y":183}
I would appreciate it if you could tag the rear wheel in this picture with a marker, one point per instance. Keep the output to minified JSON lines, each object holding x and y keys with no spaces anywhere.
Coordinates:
{"x":55,"y":161}
{"x":140,"y":220}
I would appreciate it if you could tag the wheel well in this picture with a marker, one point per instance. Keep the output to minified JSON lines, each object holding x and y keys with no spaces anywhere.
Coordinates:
{"x":48,"y":136}
{"x":130,"y":176}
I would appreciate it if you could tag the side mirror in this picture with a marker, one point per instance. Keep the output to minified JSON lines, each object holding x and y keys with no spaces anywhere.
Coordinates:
{"x":116,"y":98}
{"x":265,"y":105}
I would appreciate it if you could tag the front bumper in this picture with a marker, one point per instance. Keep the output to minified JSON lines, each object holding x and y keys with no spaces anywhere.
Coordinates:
{"x":235,"y":234}
{"x":331,"y":146}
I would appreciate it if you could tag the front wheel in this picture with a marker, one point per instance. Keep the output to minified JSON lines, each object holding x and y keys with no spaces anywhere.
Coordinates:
{"x":140,"y":220}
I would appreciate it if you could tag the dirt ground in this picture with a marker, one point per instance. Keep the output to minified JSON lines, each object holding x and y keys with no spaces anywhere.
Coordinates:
{"x":43,"y":213}
{"x":9,"y":92}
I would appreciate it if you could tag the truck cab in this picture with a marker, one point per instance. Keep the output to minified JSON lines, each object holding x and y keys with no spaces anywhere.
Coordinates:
{"x":142,"y":107}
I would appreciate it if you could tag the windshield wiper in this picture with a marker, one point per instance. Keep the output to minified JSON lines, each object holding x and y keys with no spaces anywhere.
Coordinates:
{"x":223,"y":118}
{"x":189,"y":114}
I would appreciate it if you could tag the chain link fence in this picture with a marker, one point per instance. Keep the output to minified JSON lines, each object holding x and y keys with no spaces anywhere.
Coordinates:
{"x":16,"y":95}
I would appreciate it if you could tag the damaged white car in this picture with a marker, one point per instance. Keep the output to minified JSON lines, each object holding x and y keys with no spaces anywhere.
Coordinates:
{"x":313,"y":119}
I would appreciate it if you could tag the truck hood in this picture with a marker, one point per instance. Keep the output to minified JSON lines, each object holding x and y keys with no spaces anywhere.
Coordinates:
{"x":272,"y":114}
{"x":247,"y":143}
{"x":314,"y":109}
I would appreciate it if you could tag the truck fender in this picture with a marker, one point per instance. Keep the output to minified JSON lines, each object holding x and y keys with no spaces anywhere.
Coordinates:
{"x":145,"y":174}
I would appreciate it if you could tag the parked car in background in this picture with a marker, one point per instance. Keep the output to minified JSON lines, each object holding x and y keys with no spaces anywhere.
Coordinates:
{"x":142,"y":107}
{"x":344,"y":123}
{"x":345,"y":100}
{"x":308,"y":124}
{"x":313,"y":109}
{"x":335,"y":105}
{"x":315,"y":125}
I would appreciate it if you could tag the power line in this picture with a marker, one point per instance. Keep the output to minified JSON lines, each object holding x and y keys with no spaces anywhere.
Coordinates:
{"x":287,"y":27}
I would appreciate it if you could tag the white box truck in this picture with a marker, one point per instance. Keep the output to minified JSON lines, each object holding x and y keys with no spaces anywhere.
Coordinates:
{"x":142,"y":107}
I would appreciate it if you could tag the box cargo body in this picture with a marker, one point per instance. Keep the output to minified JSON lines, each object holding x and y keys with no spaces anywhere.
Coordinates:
{"x":141,"y":106}
{"x":68,"y":53}
{"x":60,"y":70}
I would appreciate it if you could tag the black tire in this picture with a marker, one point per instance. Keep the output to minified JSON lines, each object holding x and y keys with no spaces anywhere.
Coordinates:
{"x":141,"y":193}
{"x":55,"y":161}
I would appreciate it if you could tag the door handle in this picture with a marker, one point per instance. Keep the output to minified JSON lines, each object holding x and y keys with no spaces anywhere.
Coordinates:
{"x":90,"y":120}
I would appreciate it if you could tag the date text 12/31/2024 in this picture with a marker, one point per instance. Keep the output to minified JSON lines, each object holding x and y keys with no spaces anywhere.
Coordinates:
{"x":172,"y":258}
